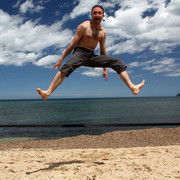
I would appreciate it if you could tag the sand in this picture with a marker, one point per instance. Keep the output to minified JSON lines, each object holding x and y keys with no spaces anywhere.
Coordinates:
{"x":52,"y":159}
{"x":88,"y":164}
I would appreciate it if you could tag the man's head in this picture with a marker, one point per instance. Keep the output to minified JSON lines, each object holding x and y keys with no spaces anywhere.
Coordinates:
{"x":97,"y":6}
{"x":97,"y":13}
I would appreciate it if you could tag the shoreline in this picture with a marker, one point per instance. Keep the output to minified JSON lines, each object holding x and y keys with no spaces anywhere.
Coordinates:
{"x":114,"y":139}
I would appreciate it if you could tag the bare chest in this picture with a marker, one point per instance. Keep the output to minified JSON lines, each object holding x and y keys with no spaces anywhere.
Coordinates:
{"x":93,"y":34}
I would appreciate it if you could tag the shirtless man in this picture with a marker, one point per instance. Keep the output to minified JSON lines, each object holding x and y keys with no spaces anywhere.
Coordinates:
{"x":87,"y":37}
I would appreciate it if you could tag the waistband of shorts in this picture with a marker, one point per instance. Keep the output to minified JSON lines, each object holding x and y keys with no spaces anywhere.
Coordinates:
{"x":84,"y":49}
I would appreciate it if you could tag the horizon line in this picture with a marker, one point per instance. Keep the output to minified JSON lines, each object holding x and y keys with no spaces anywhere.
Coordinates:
{"x":91,"y":97}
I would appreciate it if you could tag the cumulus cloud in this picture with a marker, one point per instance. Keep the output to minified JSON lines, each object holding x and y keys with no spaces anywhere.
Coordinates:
{"x":137,"y":29}
{"x":22,"y":42}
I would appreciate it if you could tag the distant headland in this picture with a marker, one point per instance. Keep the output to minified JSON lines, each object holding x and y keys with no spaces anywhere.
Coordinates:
{"x":178,"y":94}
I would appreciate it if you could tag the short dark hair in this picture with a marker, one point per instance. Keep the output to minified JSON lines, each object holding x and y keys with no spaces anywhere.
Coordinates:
{"x":97,"y":6}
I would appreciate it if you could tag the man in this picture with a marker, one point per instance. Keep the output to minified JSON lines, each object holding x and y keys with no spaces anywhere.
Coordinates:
{"x":87,"y":37}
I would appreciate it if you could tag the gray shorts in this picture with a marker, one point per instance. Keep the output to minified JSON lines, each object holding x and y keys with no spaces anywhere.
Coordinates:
{"x":84,"y":57}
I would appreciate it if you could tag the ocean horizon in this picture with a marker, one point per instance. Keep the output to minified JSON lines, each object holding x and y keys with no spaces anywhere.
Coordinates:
{"x":65,"y":117}
{"x":81,"y":97}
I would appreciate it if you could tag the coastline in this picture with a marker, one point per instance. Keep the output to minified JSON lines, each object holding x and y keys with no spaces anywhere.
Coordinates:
{"x":115,"y":139}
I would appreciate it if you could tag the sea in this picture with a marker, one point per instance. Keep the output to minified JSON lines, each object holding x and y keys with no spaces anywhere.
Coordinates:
{"x":57,"y":118}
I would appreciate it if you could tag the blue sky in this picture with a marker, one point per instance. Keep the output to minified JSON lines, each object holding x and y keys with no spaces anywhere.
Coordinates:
{"x":34,"y":34}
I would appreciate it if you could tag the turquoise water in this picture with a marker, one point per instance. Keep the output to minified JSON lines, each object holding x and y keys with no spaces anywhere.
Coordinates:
{"x":83,"y":111}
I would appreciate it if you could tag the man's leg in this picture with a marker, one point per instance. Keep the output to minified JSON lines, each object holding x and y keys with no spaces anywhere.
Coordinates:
{"x":134,"y":88}
{"x":75,"y":61}
{"x":58,"y":79}
{"x":117,"y":65}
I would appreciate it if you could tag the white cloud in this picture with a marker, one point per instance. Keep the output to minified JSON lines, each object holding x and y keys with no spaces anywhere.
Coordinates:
{"x":83,"y":7}
{"x":164,"y":65}
{"x":168,"y":66}
{"x":132,"y":33}
{"x":139,"y":64}
{"x":28,"y":6}
{"x":22,"y":42}
{"x":96,"y":72}
{"x":47,"y":61}
{"x":129,"y":46}
{"x":16,"y":58}
{"x":93,"y":72}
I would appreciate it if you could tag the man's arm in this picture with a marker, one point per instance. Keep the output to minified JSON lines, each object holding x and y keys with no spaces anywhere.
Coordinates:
{"x":103,"y":52}
{"x":79,"y":33}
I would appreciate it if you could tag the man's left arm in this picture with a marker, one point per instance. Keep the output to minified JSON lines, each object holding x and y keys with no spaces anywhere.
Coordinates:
{"x":103,"y":52}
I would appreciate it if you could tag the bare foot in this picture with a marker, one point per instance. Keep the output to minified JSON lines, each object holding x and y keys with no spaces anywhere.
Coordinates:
{"x":43,"y":94}
{"x":136,"y":88}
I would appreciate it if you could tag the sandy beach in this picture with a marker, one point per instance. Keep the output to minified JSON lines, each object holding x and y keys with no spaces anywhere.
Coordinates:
{"x":145,"y":154}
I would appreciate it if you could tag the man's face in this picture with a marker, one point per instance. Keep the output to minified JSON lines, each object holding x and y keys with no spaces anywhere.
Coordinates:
{"x":97,"y":14}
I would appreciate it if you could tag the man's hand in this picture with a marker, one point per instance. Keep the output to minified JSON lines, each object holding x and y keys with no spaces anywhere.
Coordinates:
{"x":58,"y":64}
{"x":105,"y":75}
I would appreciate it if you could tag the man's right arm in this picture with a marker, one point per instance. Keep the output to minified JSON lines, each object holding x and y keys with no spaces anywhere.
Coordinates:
{"x":79,"y":33}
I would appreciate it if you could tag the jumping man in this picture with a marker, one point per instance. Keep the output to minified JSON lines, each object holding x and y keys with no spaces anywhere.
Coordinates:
{"x":87,"y":37}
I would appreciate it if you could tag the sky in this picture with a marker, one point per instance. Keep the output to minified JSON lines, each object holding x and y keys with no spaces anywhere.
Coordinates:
{"x":35,"y":33}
